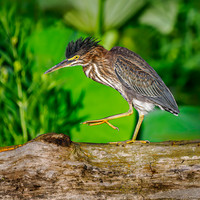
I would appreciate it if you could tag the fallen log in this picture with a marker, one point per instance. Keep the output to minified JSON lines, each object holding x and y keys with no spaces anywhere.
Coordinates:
{"x":53,"y":167}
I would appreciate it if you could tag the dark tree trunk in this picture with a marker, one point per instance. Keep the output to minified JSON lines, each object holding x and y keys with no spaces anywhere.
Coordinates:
{"x":53,"y":167}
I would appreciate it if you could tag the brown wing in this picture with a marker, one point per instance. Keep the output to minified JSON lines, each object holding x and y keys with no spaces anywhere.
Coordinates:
{"x":135,"y":74}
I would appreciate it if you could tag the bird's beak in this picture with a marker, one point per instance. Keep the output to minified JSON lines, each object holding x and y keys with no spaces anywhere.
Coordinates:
{"x":64,"y":63}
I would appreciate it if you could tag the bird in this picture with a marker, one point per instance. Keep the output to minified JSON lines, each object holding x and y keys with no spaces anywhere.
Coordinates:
{"x":124,"y":71}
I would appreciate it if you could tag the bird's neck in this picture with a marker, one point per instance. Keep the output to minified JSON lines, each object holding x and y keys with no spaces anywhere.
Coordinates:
{"x":97,"y":57}
{"x":100,"y":68}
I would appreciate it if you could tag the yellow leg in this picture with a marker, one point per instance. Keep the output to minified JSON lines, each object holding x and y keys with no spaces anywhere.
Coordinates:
{"x":141,"y":117}
{"x":106,"y":119}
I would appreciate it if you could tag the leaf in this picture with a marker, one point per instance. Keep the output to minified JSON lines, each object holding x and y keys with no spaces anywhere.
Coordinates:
{"x":161,"y":15}
{"x":83,"y":15}
{"x":118,"y":12}
{"x":162,"y":126}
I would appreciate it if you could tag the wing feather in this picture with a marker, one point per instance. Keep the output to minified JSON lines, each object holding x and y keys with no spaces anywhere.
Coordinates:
{"x":137,"y":75}
{"x":133,"y":77}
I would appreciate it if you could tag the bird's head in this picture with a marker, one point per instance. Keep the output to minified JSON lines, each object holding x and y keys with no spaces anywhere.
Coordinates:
{"x":77,"y":53}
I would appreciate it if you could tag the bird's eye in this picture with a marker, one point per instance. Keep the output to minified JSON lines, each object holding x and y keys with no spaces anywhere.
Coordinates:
{"x":76,"y":57}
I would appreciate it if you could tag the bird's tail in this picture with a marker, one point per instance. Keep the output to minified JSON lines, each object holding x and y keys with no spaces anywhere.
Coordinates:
{"x":173,"y":111}
{"x":167,"y":102}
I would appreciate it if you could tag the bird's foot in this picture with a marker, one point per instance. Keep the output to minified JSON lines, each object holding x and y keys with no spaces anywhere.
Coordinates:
{"x":130,"y":141}
{"x":100,"y":121}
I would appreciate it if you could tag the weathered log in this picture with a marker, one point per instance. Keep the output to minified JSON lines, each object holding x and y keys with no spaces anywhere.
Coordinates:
{"x":53,"y":167}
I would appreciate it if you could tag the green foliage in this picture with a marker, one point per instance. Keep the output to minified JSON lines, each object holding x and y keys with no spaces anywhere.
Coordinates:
{"x":27,"y":101}
{"x":33,"y":38}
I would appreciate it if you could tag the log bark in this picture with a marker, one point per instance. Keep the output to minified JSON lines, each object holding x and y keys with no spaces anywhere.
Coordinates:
{"x":53,"y":167}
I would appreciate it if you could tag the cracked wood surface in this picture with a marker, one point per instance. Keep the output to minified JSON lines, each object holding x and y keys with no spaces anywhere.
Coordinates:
{"x":53,"y":167}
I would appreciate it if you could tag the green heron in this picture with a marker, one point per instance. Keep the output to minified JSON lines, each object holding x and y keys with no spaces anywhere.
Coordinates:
{"x":126,"y":72}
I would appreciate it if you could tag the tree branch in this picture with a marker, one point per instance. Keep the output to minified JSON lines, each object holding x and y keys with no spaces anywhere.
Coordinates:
{"x":53,"y":167}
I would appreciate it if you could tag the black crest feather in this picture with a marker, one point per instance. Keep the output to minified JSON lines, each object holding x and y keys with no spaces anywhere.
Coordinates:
{"x":82,"y":45}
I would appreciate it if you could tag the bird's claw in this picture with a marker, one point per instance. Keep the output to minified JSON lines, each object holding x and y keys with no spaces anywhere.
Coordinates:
{"x":130,"y":141}
{"x":98,"y":122}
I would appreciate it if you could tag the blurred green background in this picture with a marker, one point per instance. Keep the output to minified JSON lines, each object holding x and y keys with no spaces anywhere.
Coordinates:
{"x":33,"y":38}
